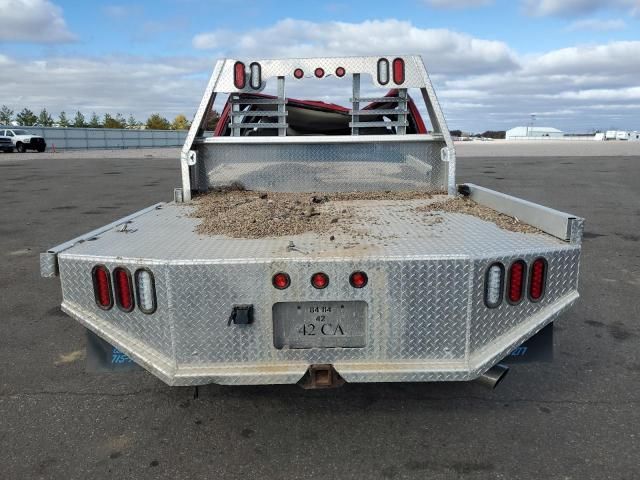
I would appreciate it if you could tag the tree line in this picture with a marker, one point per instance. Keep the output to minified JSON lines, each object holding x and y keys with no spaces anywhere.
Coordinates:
{"x":495,"y":134}
{"x":28,"y":118}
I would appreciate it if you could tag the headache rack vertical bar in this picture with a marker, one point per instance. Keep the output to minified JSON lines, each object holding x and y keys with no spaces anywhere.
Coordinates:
{"x":402,"y":111}
{"x":235,"y":108}
{"x":356,"y":103}
{"x":282,"y":131}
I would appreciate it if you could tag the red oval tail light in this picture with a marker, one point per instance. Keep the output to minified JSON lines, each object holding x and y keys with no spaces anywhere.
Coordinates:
{"x":515,"y":288}
{"x":538,"y":280}
{"x":124,"y":289}
{"x":102,"y":287}
{"x":239,"y":78}
{"x":398,"y":71}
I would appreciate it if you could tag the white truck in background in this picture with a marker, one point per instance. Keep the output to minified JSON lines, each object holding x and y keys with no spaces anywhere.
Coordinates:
{"x":24,"y":140}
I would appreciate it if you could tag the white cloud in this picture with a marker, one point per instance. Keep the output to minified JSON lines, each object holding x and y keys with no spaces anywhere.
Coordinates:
{"x":117,"y":11}
{"x":575,"y":88}
{"x":125,"y":12}
{"x":603,"y":94}
{"x":482,"y":84}
{"x":460,"y":4}
{"x":597,"y":25}
{"x":574,"y":7}
{"x":106,"y":84}
{"x":211,"y":40}
{"x":613,"y":59}
{"x":446,"y":51}
{"x":560,"y":7}
{"x":34,"y":21}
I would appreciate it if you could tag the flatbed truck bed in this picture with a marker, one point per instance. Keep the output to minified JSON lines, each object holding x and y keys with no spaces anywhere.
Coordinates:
{"x":400,"y":291}
{"x":421,"y":263}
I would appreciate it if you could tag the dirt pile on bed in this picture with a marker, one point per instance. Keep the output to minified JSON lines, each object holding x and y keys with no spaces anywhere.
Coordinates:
{"x":247,"y":214}
{"x":469,"y":207}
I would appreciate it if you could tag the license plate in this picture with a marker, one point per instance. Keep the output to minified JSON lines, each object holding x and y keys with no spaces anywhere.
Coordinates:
{"x":319,"y":324}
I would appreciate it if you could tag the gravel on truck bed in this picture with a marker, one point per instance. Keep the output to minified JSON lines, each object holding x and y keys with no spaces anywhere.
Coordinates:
{"x":240,"y":213}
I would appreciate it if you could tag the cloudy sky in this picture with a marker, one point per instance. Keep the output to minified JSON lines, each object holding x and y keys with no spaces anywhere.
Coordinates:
{"x":575,"y":64}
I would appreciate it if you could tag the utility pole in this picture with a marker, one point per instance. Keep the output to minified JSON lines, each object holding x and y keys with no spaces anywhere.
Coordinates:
{"x":533,"y":119}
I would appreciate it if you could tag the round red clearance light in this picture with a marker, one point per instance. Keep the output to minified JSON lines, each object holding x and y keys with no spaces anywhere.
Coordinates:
{"x":281,"y":280}
{"x":319,"y":280}
{"x":538,"y":279}
{"x":340,"y":72}
{"x":298,"y":73}
{"x":358,"y":279}
{"x":319,"y":72}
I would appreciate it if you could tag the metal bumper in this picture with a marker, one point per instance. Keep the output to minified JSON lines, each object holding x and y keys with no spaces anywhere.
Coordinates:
{"x":427,"y":319}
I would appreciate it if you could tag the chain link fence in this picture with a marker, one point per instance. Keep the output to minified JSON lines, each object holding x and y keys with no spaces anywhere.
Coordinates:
{"x":88,"y":138}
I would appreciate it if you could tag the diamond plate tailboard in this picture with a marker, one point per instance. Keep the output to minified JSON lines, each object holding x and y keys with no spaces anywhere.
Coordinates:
{"x":426,"y":316}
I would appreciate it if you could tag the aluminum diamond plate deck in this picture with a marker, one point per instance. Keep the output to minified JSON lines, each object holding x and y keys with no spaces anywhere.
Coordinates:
{"x":383,"y":230}
{"x":426,"y":316}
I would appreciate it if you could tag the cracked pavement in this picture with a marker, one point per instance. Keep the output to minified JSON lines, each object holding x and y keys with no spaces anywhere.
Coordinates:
{"x":576,"y":418}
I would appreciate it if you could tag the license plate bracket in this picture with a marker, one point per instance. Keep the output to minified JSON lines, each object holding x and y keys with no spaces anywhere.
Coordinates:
{"x":330,"y":324}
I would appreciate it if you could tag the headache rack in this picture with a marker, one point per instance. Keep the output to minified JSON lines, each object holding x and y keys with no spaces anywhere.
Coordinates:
{"x":260,"y":155}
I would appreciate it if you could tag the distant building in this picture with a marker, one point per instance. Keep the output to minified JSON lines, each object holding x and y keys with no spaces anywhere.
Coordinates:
{"x":611,"y":135}
{"x":519,"y":133}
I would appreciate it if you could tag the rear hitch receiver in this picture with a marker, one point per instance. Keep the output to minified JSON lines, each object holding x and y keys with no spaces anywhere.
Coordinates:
{"x":492,"y":377}
{"x":321,"y":376}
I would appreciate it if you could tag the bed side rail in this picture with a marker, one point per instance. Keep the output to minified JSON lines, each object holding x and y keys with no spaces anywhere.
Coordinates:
{"x":562,"y":225}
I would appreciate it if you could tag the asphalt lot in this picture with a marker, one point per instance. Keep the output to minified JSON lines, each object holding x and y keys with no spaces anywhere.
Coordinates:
{"x":576,"y":418}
